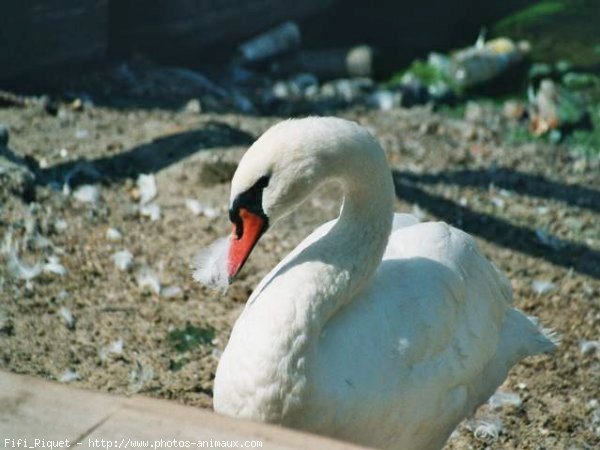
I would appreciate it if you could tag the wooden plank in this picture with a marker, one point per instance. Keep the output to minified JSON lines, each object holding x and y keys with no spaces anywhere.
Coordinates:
{"x":31,"y":409}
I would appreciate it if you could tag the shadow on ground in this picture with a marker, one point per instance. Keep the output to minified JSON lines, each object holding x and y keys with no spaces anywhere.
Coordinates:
{"x":497,"y":230}
{"x":146,"y":158}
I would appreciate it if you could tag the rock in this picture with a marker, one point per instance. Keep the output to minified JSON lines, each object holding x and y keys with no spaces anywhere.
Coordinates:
{"x":193,"y":106}
{"x":147,"y":278}
{"x":151,"y":210}
{"x":501,"y":398}
{"x":112,"y":234}
{"x":87,"y":193}
{"x":123,"y":260}
{"x":147,"y":188}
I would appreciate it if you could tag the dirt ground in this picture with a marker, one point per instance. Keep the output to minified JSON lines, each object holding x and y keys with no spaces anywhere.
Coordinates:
{"x":534,"y":207}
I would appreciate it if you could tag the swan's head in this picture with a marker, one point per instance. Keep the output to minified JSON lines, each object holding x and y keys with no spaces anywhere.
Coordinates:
{"x":279,"y":171}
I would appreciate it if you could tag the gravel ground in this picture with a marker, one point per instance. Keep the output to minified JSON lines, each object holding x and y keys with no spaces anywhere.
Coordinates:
{"x":534,"y":208}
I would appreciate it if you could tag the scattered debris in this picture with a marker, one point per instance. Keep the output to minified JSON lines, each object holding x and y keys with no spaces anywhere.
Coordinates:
{"x":147,"y":278}
{"x":60,"y":225}
{"x":147,"y":188}
{"x":139,"y":377}
{"x":87,"y":193}
{"x":151,"y":210}
{"x":485,"y":61}
{"x":69,"y":375}
{"x":553,"y":107}
{"x":21,"y":270}
{"x":123,"y":260}
{"x":513,"y":110}
{"x":198,"y":208}
{"x":112,"y":234}
{"x":588,"y":347}
{"x":542,"y":287}
{"x":67,"y":316}
{"x":193,"y":106}
{"x":171,"y":292}
{"x":501,"y":398}
{"x":114,"y":349}
{"x":54,"y":266}
{"x":487,"y":430}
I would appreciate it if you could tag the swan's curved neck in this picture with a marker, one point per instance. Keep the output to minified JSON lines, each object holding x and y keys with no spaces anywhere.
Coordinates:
{"x":348,"y":255}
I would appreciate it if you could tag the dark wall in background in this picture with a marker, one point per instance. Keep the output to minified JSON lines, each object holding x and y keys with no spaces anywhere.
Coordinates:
{"x":40,"y":35}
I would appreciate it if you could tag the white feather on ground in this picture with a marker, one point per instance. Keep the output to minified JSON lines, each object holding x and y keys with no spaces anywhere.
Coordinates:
{"x":211,"y":265}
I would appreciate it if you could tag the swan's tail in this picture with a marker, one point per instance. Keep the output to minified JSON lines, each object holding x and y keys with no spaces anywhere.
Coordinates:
{"x":524,"y":336}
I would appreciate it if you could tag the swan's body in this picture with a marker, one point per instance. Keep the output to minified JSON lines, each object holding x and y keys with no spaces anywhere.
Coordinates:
{"x":376,"y":329}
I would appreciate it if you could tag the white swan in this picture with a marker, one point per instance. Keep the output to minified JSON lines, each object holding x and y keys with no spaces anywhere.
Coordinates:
{"x":376,"y":329}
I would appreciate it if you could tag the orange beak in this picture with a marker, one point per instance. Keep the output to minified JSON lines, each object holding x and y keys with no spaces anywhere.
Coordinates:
{"x":244,"y":237}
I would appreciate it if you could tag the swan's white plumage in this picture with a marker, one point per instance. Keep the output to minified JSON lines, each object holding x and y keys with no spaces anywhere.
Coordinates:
{"x":383,"y":341}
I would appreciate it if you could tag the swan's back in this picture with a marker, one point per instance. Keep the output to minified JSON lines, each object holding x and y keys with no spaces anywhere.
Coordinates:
{"x":430,"y":338}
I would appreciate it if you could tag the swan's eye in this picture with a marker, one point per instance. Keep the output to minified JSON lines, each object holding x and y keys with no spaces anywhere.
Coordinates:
{"x":250,"y":200}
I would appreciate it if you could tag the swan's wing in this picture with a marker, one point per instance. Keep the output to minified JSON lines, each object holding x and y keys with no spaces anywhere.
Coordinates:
{"x":402,"y":220}
{"x":432,"y":314}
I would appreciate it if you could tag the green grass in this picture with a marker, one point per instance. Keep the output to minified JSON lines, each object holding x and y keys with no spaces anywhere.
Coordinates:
{"x":557,"y":29}
{"x":533,"y":14}
{"x":189,"y":337}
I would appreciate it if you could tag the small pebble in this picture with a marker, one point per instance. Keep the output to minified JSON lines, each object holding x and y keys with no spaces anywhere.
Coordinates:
{"x":146,"y":278}
{"x":87,"y":193}
{"x":151,"y":210}
{"x":123,"y":260}
{"x":112,"y":234}
{"x":171,"y":291}
{"x":147,"y":188}
{"x":500,"y":399}
{"x":60,"y":225}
